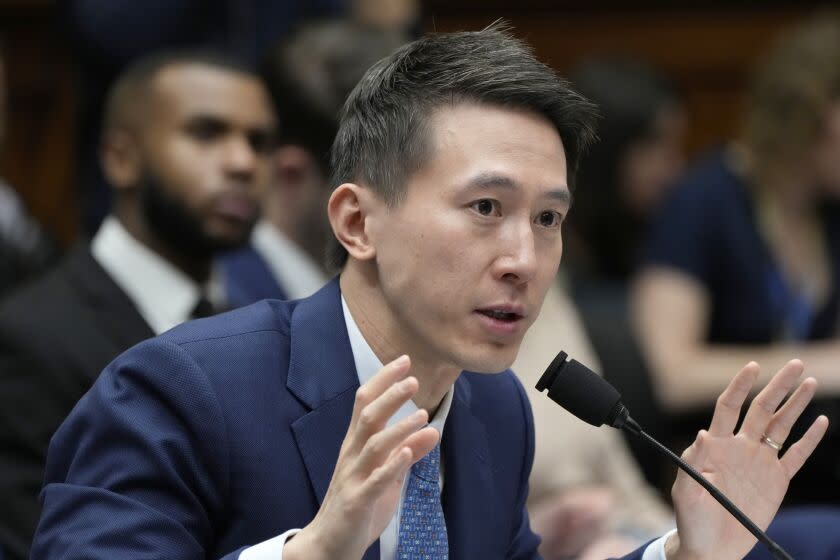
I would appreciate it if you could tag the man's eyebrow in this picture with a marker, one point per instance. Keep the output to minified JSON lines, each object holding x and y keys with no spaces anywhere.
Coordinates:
{"x":224,"y":122}
{"x":207,"y":118}
{"x":496,"y":181}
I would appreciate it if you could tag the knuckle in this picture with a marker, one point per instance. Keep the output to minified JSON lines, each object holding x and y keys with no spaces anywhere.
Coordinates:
{"x":362,"y":395}
{"x":723,"y":401}
{"x":375,"y":445}
{"x":367,"y":416}
{"x":765,"y":405}
{"x":379,"y":475}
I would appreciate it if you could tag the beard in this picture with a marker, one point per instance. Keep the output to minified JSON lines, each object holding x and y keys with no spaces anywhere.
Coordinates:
{"x":178,"y":226}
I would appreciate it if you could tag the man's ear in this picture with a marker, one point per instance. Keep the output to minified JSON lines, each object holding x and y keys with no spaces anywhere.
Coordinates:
{"x":120,"y":157}
{"x":348,"y":210}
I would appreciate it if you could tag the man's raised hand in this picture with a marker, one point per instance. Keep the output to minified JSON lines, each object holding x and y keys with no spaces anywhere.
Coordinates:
{"x":372,"y":464}
{"x":743,"y":465}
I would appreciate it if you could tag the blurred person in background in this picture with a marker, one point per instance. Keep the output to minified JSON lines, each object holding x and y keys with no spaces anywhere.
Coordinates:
{"x":108,"y":34}
{"x":25,"y":250}
{"x":187,"y":146}
{"x":628,"y":171}
{"x":309,"y":76}
{"x":745,"y":257}
{"x":621,"y":184}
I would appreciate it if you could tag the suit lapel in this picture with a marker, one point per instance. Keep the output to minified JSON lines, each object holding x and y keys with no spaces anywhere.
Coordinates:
{"x":322,"y":374}
{"x":468,"y":487}
{"x":121,"y":323}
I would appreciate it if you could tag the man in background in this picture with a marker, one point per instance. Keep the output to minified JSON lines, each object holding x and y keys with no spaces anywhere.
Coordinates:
{"x":186,"y":147}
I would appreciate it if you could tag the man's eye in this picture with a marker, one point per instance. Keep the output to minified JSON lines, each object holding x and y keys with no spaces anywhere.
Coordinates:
{"x":486,"y":207}
{"x":205,"y":130}
{"x":549,"y":219}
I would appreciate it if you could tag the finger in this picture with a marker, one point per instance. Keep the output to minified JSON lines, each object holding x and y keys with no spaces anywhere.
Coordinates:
{"x":374,"y":417}
{"x":417,"y":445}
{"x":764,"y":406}
{"x":381,"y":445}
{"x":785,"y":417}
{"x":392,"y":372}
{"x":422,"y":442}
{"x":729,"y":403}
{"x":799,"y":452}
{"x":695,"y":455}
{"x":392,"y":471}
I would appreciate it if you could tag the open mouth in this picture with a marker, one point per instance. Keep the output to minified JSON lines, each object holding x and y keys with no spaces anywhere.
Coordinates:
{"x":499,"y":315}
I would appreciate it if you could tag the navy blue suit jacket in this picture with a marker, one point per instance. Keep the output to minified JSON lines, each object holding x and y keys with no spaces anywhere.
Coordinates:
{"x":224,"y":432}
{"x":247,"y":278}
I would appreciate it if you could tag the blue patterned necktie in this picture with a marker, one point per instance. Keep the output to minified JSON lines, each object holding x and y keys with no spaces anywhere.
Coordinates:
{"x":422,"y":526}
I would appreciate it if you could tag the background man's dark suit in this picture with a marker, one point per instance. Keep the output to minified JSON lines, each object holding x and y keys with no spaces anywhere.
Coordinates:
{"x":56,"y":336}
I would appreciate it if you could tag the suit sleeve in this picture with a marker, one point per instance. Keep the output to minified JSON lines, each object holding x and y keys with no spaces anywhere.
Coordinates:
{"x":140,"y":467}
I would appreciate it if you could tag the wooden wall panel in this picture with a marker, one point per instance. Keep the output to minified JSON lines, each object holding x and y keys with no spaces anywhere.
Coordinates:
{"x":38,"y":153}
{"x":708,"y":54}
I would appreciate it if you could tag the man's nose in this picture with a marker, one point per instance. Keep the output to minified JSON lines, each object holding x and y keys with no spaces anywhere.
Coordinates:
{"x":518,"y":261}
{"x":239,"y":156}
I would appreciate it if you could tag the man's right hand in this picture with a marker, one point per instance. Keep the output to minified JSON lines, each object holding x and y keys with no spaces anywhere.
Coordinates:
{"x":372,"y":464}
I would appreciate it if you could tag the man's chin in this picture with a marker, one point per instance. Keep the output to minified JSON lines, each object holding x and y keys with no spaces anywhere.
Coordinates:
{"x":491,"y":362}
{"x":223,"y":237}
{"x":228,"y":235}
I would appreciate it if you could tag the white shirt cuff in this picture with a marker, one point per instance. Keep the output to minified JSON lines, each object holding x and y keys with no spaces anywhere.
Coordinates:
{"x":272,"y":549}
{"x":656,"y":549}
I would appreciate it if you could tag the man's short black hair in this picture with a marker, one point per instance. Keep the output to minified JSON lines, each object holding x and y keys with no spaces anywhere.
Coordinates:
{"x":130,"y":89}
{"x":383,"y":136}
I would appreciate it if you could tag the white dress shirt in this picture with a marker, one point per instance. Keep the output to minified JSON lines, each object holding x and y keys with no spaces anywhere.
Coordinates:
{"x":298,"y":275}
{"x":367,"y":365}
{"x":163,"y":295}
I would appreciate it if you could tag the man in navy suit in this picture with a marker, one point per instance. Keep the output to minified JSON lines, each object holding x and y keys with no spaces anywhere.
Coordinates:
{"x":276,"y":432}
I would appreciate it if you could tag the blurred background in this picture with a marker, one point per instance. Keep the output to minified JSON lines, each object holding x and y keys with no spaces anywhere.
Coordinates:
{"x":706,"y":49}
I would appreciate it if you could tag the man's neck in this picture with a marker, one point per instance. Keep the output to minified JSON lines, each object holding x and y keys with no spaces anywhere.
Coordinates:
{"x":385,"y":336}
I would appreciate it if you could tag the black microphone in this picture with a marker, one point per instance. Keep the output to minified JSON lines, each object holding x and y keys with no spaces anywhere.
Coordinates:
{"x":591,"y":398}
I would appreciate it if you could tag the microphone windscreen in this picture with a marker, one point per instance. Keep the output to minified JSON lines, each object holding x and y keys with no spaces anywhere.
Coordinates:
{"x":580,"y":390}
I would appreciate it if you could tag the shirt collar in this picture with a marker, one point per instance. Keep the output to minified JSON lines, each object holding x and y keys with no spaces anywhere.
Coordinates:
{"x":163,"y":295}
{"x":367,"y":365}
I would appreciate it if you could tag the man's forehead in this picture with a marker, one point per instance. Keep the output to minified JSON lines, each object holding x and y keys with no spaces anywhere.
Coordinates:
{"x":183,"y":73}
{"x":484,"y":132}
{"x":192,"y":87}
{"x":450,"y":117}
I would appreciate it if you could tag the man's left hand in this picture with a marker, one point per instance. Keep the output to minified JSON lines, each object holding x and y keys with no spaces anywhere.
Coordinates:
{"x":743,"y":465}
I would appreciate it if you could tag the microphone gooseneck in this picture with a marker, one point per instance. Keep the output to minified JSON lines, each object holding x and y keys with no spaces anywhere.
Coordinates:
{"x":591,"y":398}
